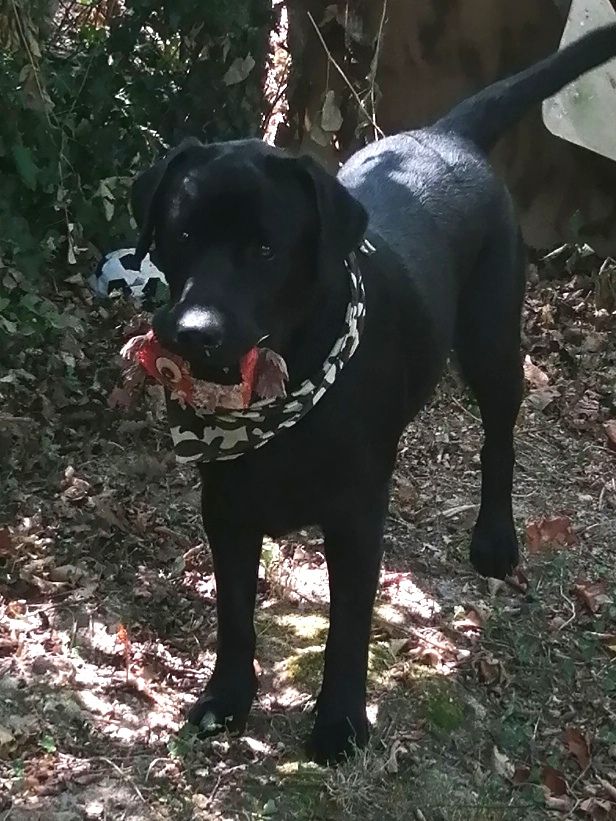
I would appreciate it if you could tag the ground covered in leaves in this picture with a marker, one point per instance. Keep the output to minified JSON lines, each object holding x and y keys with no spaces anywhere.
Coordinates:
{"x":489,"y":701}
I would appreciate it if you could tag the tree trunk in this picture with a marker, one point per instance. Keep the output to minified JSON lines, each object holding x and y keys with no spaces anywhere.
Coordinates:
{"x":431,"y":54}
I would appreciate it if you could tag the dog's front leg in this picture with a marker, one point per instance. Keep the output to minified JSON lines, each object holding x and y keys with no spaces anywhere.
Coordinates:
{"x":227,"y":699}
{"x":353,"y":549}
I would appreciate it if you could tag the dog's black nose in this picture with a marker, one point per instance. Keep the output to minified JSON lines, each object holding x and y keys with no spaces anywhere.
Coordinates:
{"x":200,"y":328}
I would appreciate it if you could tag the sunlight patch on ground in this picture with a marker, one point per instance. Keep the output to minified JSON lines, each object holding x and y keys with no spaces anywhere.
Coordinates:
{"x":303,"y":625}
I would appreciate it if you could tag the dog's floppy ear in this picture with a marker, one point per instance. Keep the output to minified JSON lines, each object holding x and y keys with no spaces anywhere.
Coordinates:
{"x":342,"y":219}
{"x":145,"y":184}
{"x":145,"y":190}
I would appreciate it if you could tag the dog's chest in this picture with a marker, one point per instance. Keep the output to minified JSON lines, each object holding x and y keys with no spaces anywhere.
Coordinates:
{"x":300,"y":478}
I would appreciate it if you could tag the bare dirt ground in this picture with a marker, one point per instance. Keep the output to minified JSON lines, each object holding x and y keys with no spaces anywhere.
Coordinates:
{"x":489,"y":701}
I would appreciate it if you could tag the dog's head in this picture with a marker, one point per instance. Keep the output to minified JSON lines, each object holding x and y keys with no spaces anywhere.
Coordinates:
{"x":246,"y":237}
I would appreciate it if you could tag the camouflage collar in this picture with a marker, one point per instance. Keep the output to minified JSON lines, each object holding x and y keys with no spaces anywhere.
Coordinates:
{"x":202,"y":436}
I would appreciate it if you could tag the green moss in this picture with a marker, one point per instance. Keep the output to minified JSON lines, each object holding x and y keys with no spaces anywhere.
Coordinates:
{"x":305,"y":668}
{"x":442,"y":708}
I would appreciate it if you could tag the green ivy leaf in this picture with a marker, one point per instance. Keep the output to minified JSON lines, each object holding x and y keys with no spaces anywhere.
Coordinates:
{"x":25,"y":165}
{"x":48,"y":744}
{"x":7,"y":325}
{"x":30,"y":301}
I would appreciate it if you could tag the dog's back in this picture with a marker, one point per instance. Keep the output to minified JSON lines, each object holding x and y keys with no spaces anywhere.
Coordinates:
{"x":437,"y":182}
{"x":427,"y":184}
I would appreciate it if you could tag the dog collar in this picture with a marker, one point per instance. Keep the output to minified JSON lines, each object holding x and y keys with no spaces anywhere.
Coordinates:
{"x":202,"y":436}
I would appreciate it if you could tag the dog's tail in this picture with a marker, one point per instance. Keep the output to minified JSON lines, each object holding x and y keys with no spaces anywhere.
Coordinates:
{"x":484,"y":117}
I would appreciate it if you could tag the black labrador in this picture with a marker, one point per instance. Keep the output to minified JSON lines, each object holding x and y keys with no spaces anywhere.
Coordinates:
{"x":255,"y":243}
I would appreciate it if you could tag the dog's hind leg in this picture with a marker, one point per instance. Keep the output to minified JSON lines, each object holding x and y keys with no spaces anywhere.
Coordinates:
{"x":488,"y":349}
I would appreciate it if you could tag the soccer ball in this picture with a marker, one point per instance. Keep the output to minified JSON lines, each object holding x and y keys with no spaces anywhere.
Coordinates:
{"x":116,"y":272}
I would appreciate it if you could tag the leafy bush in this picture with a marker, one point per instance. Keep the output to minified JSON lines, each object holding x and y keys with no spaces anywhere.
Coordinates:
{"x":92,"y":91}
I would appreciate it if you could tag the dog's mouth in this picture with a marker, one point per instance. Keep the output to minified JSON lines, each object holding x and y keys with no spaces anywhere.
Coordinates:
{"x":261,"y":372}
{"x":217,"y":375}
{"x":225,"y":367}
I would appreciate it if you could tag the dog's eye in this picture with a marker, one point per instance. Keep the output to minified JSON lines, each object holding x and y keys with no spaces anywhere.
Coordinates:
{"x":183,"y":236}
{"x":266,"y":252}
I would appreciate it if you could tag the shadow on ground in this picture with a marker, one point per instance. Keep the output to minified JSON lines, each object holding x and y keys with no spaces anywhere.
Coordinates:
{"x":487,"y":701}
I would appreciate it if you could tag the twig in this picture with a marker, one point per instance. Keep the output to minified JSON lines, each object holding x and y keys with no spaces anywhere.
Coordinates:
{"x":375,"y":63}
{"x":124,"y":776}
{"x":356,"y":96}
{"x":454,"y":511}
{"x":581,"y":775}
{"x":153,"y":763}
{"x":536,"y":727}
{"x":31,"y":60}
{"x":15,"y":420}
{"x":439,"y":645}
{"x":571,"y":605}
{"x":400,"y":521}
{"x":448,"y":514}
{"x":601,"y":495}
{"x":466,"y":410}
{"x":215,"y":790}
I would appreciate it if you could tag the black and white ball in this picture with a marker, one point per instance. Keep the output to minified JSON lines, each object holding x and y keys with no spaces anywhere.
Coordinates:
{"x":117,"y":272}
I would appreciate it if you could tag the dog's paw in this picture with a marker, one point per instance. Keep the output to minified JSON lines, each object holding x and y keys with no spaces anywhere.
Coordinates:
{"x":333,"y":741}
{"x":217,"y":712}
{"x":494,"y":550}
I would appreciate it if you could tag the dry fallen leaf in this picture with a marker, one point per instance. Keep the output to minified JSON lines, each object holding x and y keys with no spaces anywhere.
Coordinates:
{"x":398,"y":646}
{"x":610,"y":789}
{"x":431,"y":647}
{"x":521,"y":774}
{"x":6,"y":738}
{"x":553,"y":780}
{"x":549,"y":531}
{"x":331,"y":118}
{"x":406,"y":495}
{"x":124,"y":640}
{"x":103,"y":506}
{"x":556,"y":623}
{"x":562,"y":803}
{"x":6,"y":542}
{"x":495,"y":586}
{"x":469,"y":622}
{"x":502,"y":764}
{"x":534,"y":375}
{"x":239,"y":69}
{"x":577,"y":746}
{"x":597,"y":809}
{"x":542,"y":397}
{"x":593,"y":342}
{"x":120,"y":398}
{"x":588,"y":407}
{"x":398,"y":748}
{"x":74,"y":489}
{"x":429,"y":656}
{"x":66,"y":573}
{"x":592,"y":594}
{"x":608,"y":640}
{"x":519,"y":579}
{"x":610,"y":432}
{"x":8,"y":646}
{"x":490,"y":670}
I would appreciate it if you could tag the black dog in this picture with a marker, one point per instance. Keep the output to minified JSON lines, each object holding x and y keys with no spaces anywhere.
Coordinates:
{"x":254,"y":244}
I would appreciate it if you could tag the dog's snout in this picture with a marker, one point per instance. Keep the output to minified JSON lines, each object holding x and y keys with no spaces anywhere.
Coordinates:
{"x":200,"y":328}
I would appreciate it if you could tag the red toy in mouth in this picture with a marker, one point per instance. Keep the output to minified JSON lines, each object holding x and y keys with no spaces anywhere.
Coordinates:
{"x":262,"y":370}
